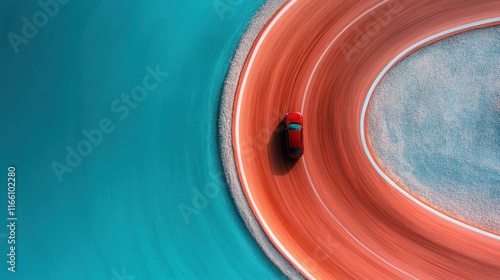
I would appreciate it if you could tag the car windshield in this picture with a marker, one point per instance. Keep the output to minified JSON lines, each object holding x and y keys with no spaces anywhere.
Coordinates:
{"x":295,"y":151}
{"x":294,"y":126}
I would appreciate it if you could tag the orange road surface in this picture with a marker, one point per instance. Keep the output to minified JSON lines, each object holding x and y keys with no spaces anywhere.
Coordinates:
{"x":330,"y":213}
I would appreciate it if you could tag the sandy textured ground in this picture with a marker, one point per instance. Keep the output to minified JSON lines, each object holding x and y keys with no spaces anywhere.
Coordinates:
{"x":434,"y":125}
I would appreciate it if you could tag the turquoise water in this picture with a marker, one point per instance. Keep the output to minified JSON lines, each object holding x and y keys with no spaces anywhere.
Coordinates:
{"x":114,"y":210}
{"x":434,"y":123}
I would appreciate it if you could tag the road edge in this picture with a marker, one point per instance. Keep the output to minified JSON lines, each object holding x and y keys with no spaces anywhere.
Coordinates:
{"x":225,"y":133}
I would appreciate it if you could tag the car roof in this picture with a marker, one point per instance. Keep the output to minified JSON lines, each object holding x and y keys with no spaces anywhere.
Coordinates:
{"x":294,"y":138}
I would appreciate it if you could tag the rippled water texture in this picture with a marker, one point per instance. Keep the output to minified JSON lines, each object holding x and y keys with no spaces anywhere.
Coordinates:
{"x":149,"y":199}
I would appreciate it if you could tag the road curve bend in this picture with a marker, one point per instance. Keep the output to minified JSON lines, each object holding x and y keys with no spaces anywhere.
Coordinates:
{"x":330,"y":213}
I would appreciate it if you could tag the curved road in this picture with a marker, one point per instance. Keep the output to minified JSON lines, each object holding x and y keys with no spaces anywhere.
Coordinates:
{"x":331,"y":213}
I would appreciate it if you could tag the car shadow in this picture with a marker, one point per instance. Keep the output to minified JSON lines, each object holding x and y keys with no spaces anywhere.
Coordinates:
{"x":280,"y":163}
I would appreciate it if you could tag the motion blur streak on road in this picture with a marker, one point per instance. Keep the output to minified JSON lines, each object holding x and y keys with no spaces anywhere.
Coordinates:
{"x":338,"y":217}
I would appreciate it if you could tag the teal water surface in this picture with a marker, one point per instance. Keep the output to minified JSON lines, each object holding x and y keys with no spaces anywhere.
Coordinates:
{"x":109,"y":114}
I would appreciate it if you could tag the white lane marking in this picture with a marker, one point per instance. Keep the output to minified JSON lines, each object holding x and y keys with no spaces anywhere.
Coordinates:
{"x":363,"y":115}
{"x":304,"y":161}
{"x":266,"y":227}
{"x":331,"y":44}
{"x":347,"y":231}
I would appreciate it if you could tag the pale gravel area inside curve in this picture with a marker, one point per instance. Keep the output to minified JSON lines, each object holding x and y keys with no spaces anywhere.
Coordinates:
{"x":434,"y":124}
{"x":225,"y":132}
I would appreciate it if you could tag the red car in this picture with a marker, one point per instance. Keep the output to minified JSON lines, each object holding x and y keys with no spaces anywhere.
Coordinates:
{"x":294,"y":134}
